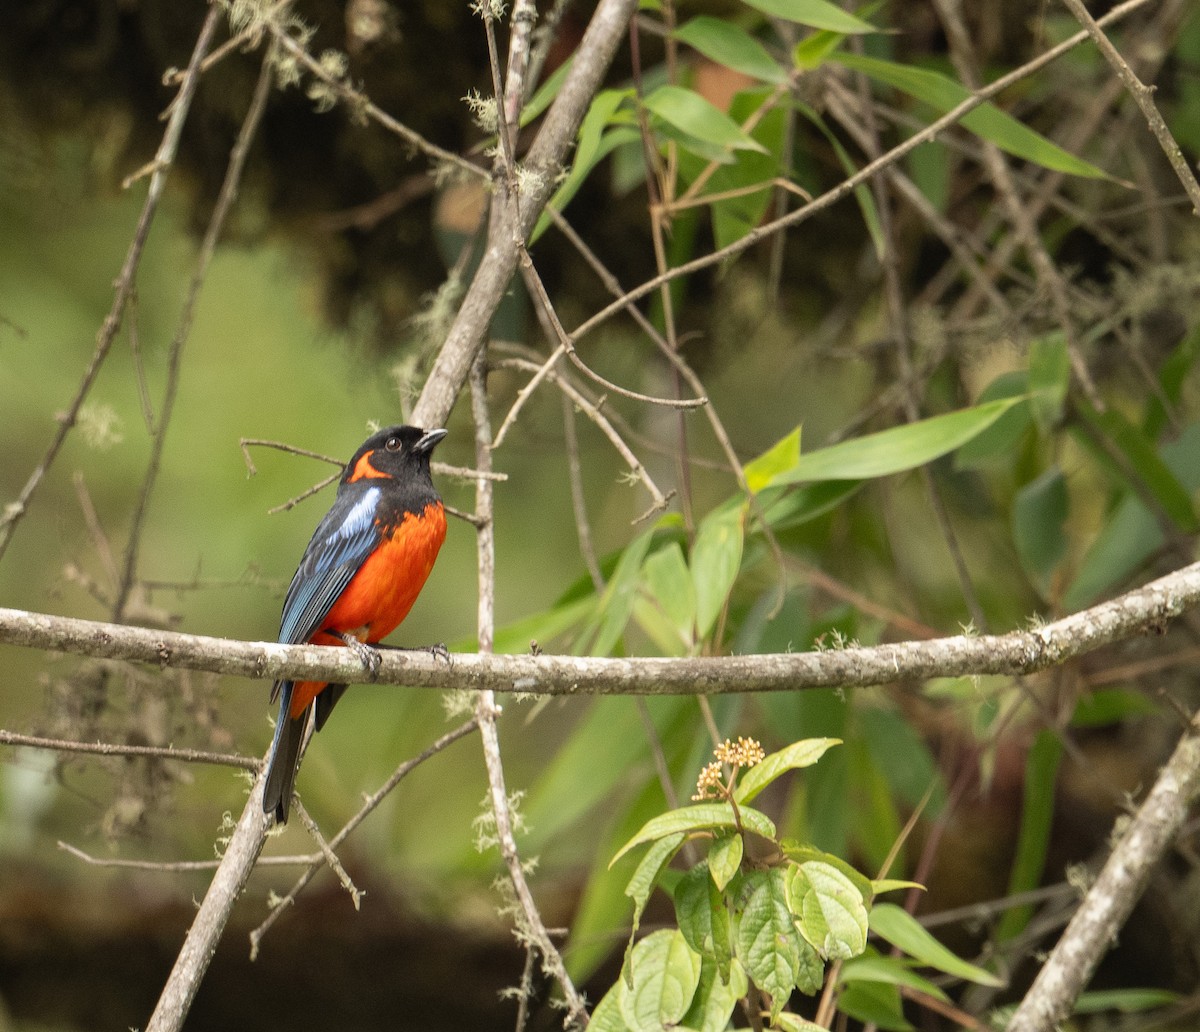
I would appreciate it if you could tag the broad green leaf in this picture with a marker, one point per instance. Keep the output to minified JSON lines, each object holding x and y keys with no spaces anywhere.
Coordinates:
{"x":725,"y":858}
{"x":890,"y":970}
{"x":664,"y":972}
{"x":986,"y":121}
{"x":795,"y":756}
{"x":670,"y":584}
{"x":829,"y":908}
{"x":699,"y":817}
{"x":1157,"y":475}
{"x":874,"y":1003}
{"x":1049,"y":378}
{"x":1039,"y":516}
{"x":901,"y":929}
{"x":690,"y":113}
{"x":694,"y":909}
{"x":768,"y":944}
{"x":715,"y":998}
{"x":731,"y":45}
{"x":898,"y":449}
{"x":817,"y":14}
{"x":716,"y":559}
{"x":646,"y":876}
{"x":1037,"y":816}
{"x":739,"y":192}
{"x":786,"y":509}
{"x":775,"y":461}
{"x":607,"y":1015}
{"x":803,"y":853}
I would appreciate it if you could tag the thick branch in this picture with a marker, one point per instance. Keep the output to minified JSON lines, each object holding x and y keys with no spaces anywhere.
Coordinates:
{"x":1148,"y":608}
{"x":544,"y":160}
{"x":1108,"y":902}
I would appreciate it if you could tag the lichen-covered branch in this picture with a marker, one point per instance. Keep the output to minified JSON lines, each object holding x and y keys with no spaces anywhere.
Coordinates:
{"x":1145,"y":609}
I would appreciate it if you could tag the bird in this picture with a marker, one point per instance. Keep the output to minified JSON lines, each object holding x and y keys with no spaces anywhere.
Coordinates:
{"x":367,"y":561}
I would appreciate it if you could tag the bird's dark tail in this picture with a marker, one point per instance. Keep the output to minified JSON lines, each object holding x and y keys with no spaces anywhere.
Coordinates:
{"x":284,"y":759}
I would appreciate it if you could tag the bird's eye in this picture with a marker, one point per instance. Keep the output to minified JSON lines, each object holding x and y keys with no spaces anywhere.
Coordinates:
{"x":393,"y":444}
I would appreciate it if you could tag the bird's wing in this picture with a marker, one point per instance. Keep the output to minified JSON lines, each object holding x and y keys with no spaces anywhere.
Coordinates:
{"x":340,"y":545}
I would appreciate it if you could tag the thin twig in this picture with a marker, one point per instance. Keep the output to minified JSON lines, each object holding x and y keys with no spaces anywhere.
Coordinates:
{"x":1143,"y":95}
{"x":852,"y":182}
{"x":116,"y":749}
{"x":329,"y":856}
{"x":317,"y":861}
{"x":164,"y":158}
{"x":225,"y":199}
{"x":531,"y":927}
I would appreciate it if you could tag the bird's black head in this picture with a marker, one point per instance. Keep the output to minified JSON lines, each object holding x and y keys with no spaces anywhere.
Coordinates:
{"x":394,"y":453}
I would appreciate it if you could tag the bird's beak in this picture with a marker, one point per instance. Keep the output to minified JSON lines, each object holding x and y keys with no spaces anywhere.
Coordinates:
{"x":428,"y":440}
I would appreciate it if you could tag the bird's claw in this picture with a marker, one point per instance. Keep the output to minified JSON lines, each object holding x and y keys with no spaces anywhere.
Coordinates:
{"x":439,"y":651}
{"x":369,"y":656}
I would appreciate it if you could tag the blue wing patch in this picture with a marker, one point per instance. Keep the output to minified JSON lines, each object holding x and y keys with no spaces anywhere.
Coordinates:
{"x":339,"y":546}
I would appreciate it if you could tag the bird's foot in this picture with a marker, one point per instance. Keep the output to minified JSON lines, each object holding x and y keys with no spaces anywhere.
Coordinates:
{"x":368,"y":655}
{"x":439,"y":650}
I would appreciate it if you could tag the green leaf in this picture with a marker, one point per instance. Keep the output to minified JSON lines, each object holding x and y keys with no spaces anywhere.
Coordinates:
{"x":781,"y":457}
{"x":874,"y":1003}
{"x":715,"y":998}
{"x":817,"y":14}
{"x":700,"y":817}
{"x":768,"y":944}
{"x":646,"y":876}
{"x":830,"y":910}
{"x":664,"y":972}
{"x":732,"y":46}
{"x":1174,"y":498}
{"x":999,"y":441}
{"x":1039,"y":517}
{"x":1107,"y":706}
{"x":694,"y":909}
{"x":1037,"y":816}
{"x":881,"y":885}
{"x":986,"y":121}
{"x":716,"y":559}
{"x":811,"y":52}
{"x":795,"y":756}
{"x":670,"y":584}
{"x":901,"y":929}
{"x":725,"y":858}
{"x":889,"y":970}
{"x":690,"y":113}
{"x":1049,"y":378}
{"x":898,"y":449}
{"x":802,"y":853}
{"x":1126,"y":1001}
{"x":546,"y":92}
{"x":607,"y":1015}
{"x":595,"y":141}
{"x":616,"y":603}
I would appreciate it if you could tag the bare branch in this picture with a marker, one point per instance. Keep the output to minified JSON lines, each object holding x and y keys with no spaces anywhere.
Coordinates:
{"x":1145,"y":609}
{"x":1119,"y":886}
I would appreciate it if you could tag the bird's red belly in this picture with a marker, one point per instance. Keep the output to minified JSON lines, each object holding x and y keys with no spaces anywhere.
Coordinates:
{"x":382,"y":592}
